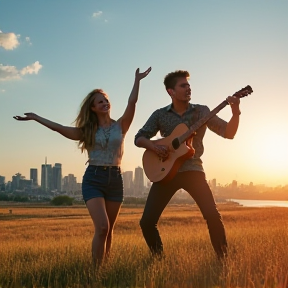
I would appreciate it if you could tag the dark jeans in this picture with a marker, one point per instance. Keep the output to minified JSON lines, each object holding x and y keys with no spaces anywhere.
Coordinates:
{"x":195,"y":184}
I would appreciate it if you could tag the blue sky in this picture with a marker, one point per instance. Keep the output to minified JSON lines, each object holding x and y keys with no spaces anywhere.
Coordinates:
{"x":53,"y":53}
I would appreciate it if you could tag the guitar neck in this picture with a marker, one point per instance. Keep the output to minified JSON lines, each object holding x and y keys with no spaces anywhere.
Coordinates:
{"x":201,"y":122}
{"x":181,"y":139}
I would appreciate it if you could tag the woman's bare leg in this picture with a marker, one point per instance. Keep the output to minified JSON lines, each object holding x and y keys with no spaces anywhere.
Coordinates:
{"x":112,"y":209}
{"x":98,"y":213}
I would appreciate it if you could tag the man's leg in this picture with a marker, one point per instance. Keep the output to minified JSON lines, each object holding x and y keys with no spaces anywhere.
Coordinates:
{"x":195,"y":184}
{"x":158,"y":198}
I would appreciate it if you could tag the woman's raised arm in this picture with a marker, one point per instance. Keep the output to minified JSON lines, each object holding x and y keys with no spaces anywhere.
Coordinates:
{"x":128,"y":115}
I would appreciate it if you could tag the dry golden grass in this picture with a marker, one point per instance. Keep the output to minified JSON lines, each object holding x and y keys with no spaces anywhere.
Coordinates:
{"x":50,"y":247}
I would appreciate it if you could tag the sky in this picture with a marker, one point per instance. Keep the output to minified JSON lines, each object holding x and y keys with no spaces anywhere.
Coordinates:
{"x":53,"y":53}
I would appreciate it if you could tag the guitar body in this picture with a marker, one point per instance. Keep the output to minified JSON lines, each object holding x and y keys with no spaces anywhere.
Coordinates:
{"x":158,"y":170}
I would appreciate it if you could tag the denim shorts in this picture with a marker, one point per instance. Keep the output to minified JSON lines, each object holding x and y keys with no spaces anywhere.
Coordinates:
{"x":103,"y":181}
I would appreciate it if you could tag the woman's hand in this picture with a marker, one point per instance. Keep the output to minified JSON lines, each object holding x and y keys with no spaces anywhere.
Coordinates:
{"x":73,"y":133}
{"x":28,"y":116}
{"x":139,"y":76}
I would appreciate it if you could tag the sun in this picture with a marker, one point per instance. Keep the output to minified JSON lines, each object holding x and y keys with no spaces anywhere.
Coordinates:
{"x":268,"y":149}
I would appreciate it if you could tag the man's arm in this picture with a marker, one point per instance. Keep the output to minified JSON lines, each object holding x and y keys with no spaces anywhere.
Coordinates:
{"x":232,"y":125}
{"x":150,"y":129}
{"x":161,"y":150}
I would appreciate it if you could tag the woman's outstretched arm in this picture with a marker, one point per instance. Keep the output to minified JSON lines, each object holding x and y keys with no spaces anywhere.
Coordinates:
{"x":128,"y":115}
{"x":72,"y":133}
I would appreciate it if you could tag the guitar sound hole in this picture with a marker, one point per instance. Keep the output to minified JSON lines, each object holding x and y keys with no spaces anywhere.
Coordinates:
{"x":175,"y":143}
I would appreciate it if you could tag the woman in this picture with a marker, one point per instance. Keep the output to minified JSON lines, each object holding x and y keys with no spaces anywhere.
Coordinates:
{"x":102,"y":137}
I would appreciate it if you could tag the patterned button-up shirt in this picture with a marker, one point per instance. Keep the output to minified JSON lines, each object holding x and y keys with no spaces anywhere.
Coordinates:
{"x":166,"y":119}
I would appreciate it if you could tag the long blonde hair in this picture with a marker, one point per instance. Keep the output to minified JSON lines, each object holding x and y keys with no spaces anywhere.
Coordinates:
{"x":87,"y":121}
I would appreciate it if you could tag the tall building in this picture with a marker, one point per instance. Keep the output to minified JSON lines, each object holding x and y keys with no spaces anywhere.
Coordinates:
{"x":57,"y":177}
{"x":234,"y":184}
{"x":25,"y":184}
{"x":128,"y":182}
{"x":49,"y":177}
{"x":46,"y":176}
{"x":139,"y":181}
{"x":70,"y":184}
{"x":44,"y":184}
{"x":15,"y":184}
{"x":34,"y":176}
{"x":2,"y":183}
{"x":213,"y":185}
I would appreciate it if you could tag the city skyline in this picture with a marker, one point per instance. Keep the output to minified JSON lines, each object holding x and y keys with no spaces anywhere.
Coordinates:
{"x":53,"y":55}
{"x":127,"y":174}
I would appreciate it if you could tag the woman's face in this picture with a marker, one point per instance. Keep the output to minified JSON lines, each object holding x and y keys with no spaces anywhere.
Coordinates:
{"x":101,"y":104}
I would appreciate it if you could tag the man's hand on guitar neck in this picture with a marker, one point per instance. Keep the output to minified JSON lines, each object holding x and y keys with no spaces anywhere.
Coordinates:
{"x":232,"y":125}
{"x":234,"y":103}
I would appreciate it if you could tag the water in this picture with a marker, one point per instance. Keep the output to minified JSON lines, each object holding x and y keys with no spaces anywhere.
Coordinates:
{"x":261,"y":203}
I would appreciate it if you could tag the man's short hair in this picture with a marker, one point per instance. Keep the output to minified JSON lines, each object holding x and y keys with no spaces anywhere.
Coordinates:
{"x":171,"y":79}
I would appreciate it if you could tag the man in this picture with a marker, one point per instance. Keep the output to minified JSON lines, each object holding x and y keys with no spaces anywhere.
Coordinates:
{"x":190,"y":175}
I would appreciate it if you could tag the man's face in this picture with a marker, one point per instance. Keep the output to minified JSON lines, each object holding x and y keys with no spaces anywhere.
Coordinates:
{"x":181,"y":91}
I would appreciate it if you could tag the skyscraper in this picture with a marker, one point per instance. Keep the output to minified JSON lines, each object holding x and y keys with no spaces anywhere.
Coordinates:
{"x":234,"y":184}
{"x":15,"y":181}
{"x":57,"y":177}
{"x":139,"y":181}
{"x":128,"y":182}
{"x":34,"y":176}
{"x":2,"y":183}
{"x":46,"y":176}
{"x":44,"y":184}
{"x":213,"y":185}
{"x":70,"y":184}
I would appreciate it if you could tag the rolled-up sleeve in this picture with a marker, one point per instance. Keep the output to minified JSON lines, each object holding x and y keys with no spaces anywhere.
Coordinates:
{"x":150,"y":128}
{"x":216,"y":124}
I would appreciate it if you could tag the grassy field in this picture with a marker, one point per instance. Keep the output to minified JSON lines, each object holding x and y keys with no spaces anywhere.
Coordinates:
{"x":51,"y":247}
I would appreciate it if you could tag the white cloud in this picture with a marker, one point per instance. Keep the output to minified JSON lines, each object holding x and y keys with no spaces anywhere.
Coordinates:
{"x":11,"y":72}
{"x":27,"y":39}
{"x":32,"y":69}
{"x":97,"y":14}
{"x":2,"y":91}
{"x":8,"y":73}
{"x":9,"y":41}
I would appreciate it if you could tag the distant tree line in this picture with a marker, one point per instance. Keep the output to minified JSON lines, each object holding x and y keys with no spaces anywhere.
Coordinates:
{"x":62,"y":200}
{"x":134,"y":200}
{"x":12,"y":197}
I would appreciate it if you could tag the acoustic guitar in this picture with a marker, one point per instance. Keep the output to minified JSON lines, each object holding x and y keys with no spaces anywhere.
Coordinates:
{"x":180,"y":146}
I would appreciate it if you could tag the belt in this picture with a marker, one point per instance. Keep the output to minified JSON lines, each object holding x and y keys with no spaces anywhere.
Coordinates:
{"x":107,"y":167}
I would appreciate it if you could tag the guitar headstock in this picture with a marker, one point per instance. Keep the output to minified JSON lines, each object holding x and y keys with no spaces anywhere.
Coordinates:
{"x":247,"y":90}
